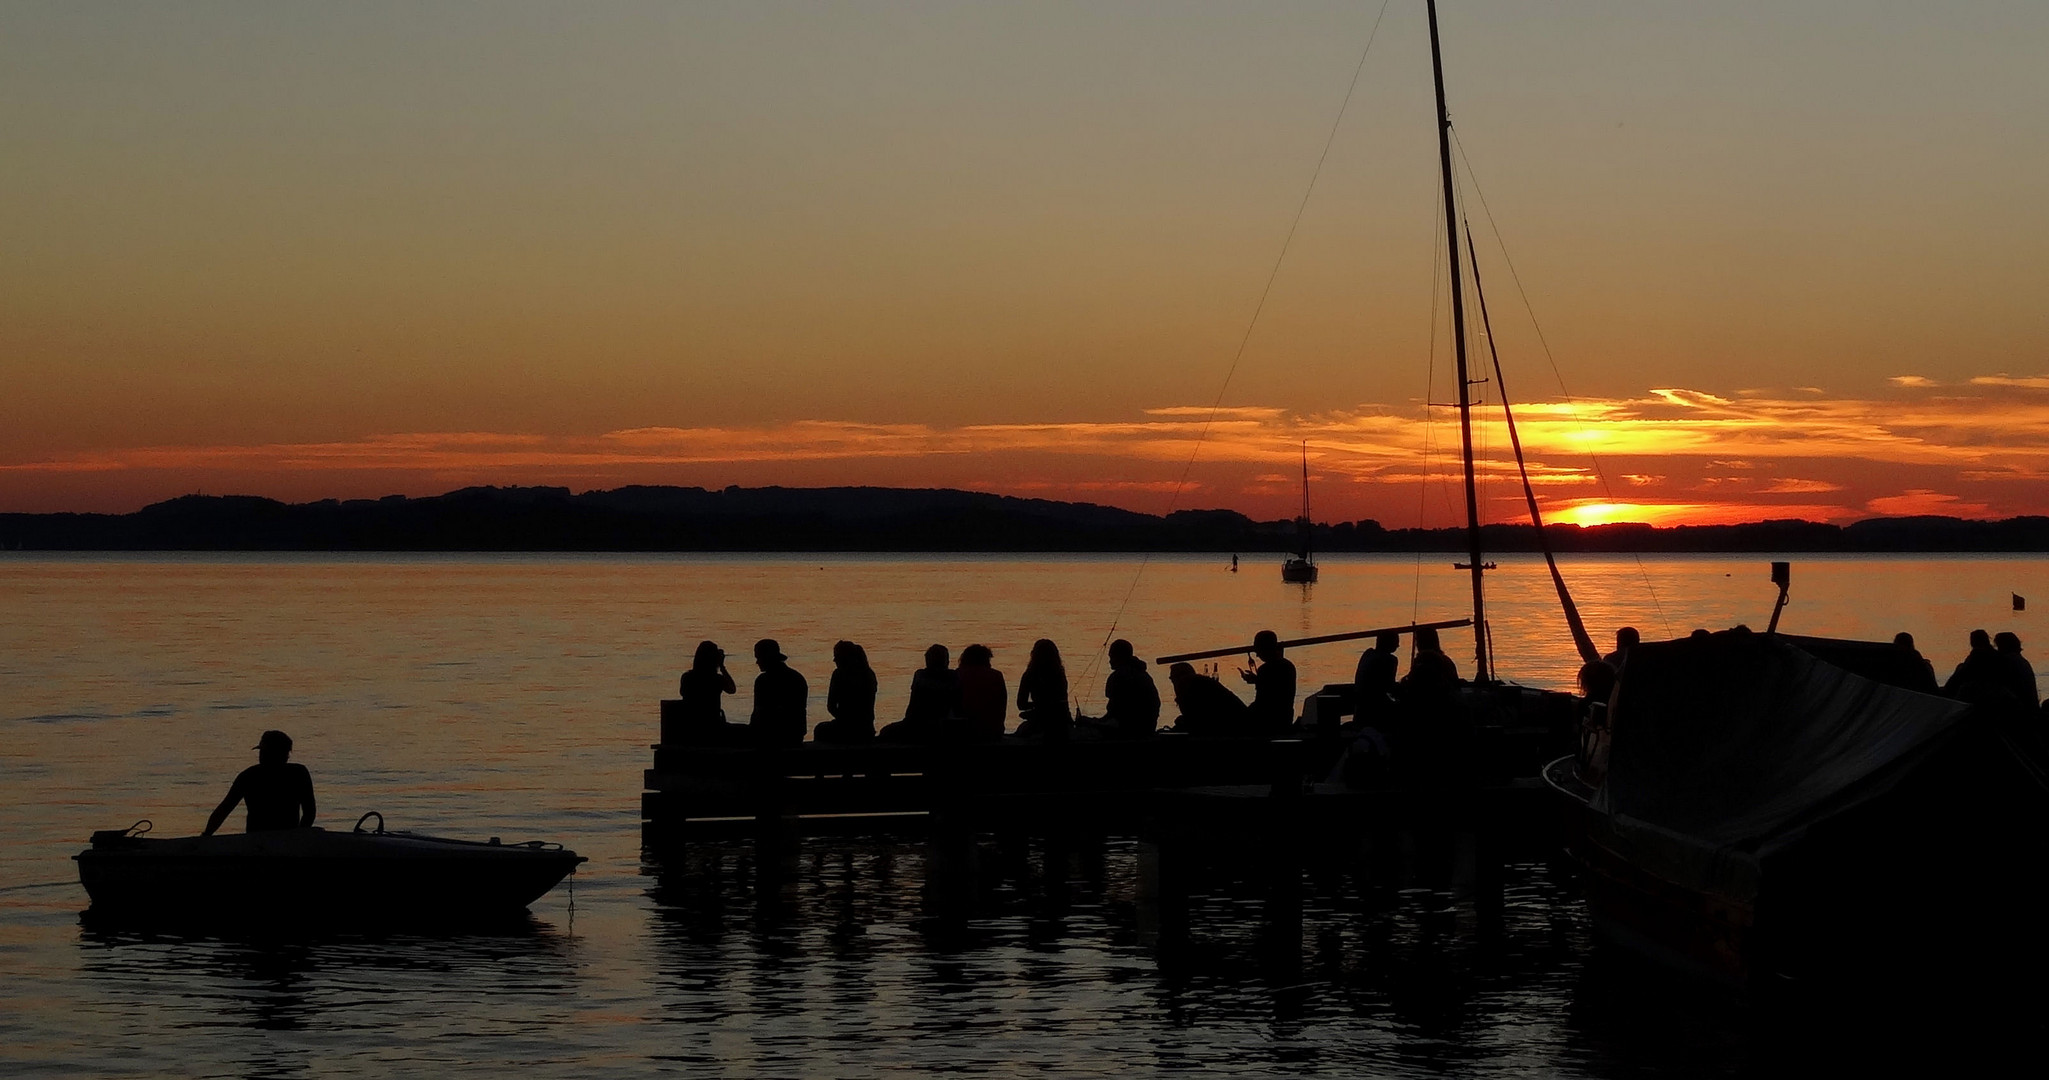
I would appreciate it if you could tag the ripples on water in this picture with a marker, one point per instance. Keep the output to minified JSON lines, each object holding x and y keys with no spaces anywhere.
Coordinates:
{"x":514,"y":696}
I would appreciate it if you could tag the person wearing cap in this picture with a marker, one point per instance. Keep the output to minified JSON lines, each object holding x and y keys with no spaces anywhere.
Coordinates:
{"x":1273,"y":685}
{"x":279,"y":793}
{"x":781,"y":697}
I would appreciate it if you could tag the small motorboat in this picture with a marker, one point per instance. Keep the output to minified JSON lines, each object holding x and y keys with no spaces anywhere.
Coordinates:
{"x":311,"y":873}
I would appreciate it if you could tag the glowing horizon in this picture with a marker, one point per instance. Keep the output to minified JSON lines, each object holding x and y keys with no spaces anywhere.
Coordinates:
{"x":1970,"y":450}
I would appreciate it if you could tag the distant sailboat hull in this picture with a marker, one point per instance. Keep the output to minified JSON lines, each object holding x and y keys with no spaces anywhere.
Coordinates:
{"x":1299,"y":571}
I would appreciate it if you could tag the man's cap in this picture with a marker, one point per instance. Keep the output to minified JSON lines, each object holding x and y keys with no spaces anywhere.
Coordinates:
{"x":1265,"y":637}
{"x":767,"y":649}
{"x":274,"y":738}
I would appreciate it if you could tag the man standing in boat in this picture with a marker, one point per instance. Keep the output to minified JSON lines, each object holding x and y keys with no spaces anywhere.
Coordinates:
{"x":279,"y":793}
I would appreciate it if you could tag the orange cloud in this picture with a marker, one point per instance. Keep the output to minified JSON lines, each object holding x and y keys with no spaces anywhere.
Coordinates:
{"x":1924,"y":502}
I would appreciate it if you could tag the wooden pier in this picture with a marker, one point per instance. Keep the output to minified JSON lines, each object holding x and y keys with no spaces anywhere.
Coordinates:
{"x":825,"y":787}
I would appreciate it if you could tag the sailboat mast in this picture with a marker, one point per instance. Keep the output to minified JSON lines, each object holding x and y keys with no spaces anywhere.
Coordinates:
{"x":1458,"y":336}
{"x":1305,"y":500}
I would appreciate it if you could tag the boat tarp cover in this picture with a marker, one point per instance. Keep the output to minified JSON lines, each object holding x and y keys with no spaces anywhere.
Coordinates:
{"x":1727,"y":748}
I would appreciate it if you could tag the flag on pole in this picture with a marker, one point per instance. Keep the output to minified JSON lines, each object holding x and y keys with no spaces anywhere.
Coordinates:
{"x":2020,"y":603}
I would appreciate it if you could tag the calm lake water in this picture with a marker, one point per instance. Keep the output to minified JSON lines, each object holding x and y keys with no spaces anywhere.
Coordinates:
{"x":511,"y":696}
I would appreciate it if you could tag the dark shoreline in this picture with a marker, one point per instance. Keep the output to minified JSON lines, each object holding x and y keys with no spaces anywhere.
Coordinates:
{"x":893,"y":520}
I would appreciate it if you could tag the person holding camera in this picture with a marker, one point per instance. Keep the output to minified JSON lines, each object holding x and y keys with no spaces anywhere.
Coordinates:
{"x":702,"y":719}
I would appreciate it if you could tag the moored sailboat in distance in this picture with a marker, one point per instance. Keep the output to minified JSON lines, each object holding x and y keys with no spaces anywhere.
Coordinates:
{"x":1300,"y":570}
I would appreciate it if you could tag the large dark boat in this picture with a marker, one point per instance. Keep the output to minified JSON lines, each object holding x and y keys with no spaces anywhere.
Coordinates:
{"x":1759,"y":807}
{"x":313,"y":875}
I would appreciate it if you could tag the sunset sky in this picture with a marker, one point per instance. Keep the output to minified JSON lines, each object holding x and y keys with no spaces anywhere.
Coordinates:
{"x":1791,"y":259}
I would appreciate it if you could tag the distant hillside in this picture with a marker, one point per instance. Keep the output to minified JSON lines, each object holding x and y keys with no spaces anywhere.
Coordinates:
{"x":884,"y":519}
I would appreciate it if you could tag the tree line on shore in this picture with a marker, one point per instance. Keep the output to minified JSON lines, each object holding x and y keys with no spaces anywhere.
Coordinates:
{"x":855,"y":519}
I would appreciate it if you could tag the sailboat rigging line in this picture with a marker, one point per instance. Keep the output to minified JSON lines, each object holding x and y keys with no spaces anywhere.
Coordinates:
{"x":1429,"y":391}
{"x":1587,"y":652}
{"x":1173,"y":500}
{"x":1571,"y":405}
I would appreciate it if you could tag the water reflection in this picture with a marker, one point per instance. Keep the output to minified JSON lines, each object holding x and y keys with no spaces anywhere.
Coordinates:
{"x":484,"y":988}
{"x":1009,"y":949}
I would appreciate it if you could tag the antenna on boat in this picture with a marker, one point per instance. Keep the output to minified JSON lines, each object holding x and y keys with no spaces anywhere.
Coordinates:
{"x":1483,"y":672}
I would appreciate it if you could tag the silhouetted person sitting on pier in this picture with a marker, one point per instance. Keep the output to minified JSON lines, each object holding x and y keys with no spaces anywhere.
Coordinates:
{"x":702,"y":719}
{"x":278,"y":793}
{"x":1905,"y":641}
{"x":984,"y":699}
{"x":1373,"y":681}
{"x":1625,"y":640}
{"x":781,"y":698}
{"x":849,"y":697}
{"x":1432,"y":726}
{"x":1131,"y":700}
{"x":1433,"y":676}
{"x":2020,"y":675}
{"x":1042,"y":709}
{"x":1206,"y":705}
{"x":935,"y":694}
{"x":1982,"y":676}
{"x":1273,"y":686}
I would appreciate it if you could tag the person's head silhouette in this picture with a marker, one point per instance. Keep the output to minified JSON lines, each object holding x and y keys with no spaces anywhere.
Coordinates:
{"x":848,"y":654}
{"x":768,"y":654}
{"x":273,"y":748}
{"x":1266,"y":645}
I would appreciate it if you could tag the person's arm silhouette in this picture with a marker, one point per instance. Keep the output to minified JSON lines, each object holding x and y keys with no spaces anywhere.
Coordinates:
{"x":227,"y":806}
{"x":304,"y":782}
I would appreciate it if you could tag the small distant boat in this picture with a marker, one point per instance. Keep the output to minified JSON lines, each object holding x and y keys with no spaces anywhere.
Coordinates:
{"x":1300,"y":570}
{"x":300,"y":875}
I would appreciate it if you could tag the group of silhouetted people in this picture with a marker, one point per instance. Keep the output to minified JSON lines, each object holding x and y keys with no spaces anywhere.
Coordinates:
{"x":1994,"y":673}
{"x":971,"y":702}
{"x":966,"y":704}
